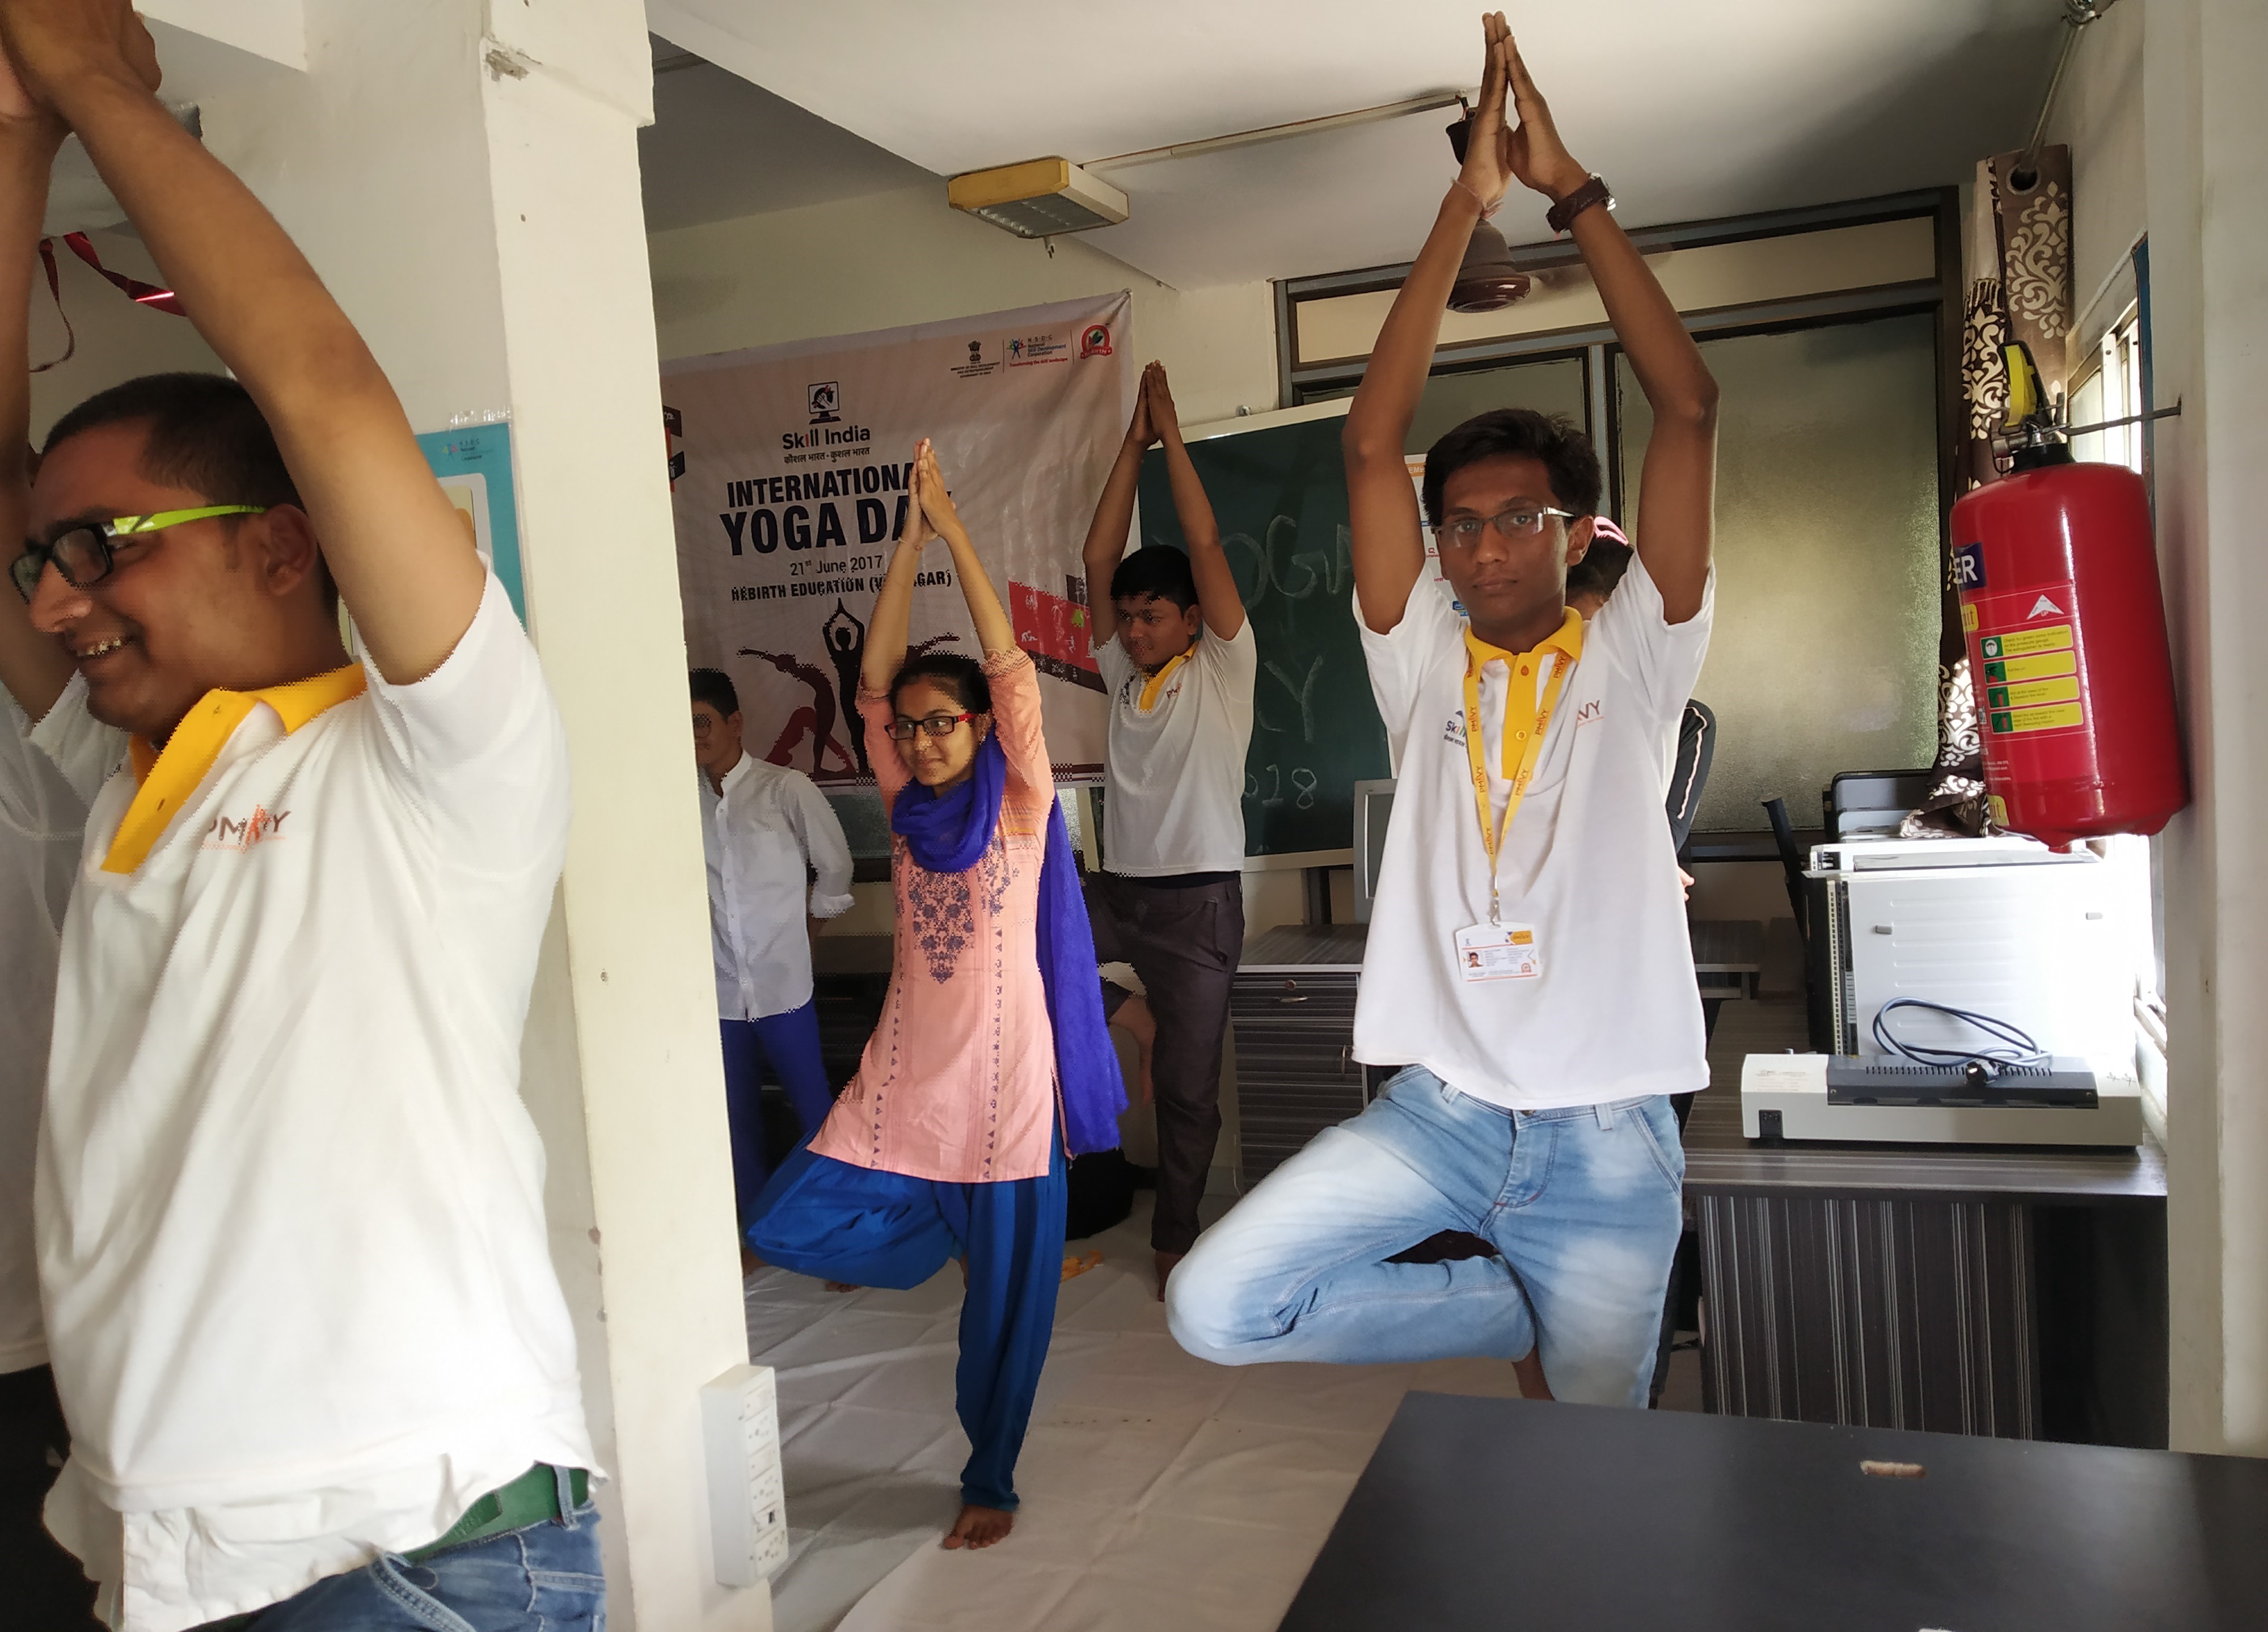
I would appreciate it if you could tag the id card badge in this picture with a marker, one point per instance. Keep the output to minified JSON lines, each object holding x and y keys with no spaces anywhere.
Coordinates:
{"x":1498,"y":952}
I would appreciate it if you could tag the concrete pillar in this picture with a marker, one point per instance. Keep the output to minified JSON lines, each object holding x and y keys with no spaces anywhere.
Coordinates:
{"x":464,"y":175}
{"x":2207,"y":125}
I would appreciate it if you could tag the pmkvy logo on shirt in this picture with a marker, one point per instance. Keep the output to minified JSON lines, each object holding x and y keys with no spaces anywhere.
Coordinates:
{"x":259,"y":828}
{"x":1588,"y":713}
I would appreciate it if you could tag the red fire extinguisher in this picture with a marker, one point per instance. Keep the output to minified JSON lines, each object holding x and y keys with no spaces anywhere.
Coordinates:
{"x":2058,"y":579}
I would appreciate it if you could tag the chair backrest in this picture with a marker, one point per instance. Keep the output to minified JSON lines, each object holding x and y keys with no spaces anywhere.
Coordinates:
{"x":1791,"y":862}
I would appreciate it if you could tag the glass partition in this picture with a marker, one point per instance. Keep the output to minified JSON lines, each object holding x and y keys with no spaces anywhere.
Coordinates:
{"x":1824,"y":655}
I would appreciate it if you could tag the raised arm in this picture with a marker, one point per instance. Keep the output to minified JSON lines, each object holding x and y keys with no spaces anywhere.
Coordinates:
{"x":394,"y":546}
{"x":894,"y":605}
{"x":1217,"y":597}
{"x":994,"y":632}
{"x":34,"y":667}
{"x":1678,"y":483}
{"x":1389,"y":546}
{"x":1114,"y":520}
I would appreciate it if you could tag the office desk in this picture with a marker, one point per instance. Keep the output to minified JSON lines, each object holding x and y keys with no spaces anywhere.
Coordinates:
{"x":2017,"y":1292}
{"x":1489,"y":1514}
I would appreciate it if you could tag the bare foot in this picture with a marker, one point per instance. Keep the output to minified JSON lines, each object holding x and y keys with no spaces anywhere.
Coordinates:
{"x":978,"y":1527}
{"x":750,"y":1263}
{"x":843,"y":1285}
{"x":1529,"y":1369}
{"x":1166,"y":1262}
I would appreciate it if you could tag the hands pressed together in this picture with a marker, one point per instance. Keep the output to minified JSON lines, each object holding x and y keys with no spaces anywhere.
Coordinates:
{"x":1530,"y":152}
{"x":930,"y":514}
{"x":1155,"y":419}
{"x":50,"y":47}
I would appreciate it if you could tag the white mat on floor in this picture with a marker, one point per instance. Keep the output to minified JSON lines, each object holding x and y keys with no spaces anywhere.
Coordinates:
{"x":1158,"y":1490}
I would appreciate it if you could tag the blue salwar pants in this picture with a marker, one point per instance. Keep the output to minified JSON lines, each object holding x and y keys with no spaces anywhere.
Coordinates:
{"x":826,"y":1218}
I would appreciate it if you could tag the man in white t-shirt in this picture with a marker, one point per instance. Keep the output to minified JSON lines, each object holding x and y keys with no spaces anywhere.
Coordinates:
{"x":289,"y":1208}
{"x":1179,"y":658}
{"x":1527,"y":959}
{"x":42,"y":813}
{"x":766,"y":833}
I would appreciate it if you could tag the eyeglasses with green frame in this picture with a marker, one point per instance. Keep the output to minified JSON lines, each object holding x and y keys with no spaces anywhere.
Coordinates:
{"x":1522,"y":521}
{"x":83,"y":554}
{"x":903,"y":729}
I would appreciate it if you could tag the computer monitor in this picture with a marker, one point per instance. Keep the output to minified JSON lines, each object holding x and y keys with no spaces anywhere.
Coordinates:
{"x":1374,"y":806}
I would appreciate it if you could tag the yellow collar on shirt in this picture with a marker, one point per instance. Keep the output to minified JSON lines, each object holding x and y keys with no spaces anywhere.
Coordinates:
{"x":169,"y":778}
{"x":1520,"y":702}
{"x":1156,"y":683}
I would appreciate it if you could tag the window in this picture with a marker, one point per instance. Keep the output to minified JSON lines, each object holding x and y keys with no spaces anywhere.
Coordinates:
{"x":2111,"y":389}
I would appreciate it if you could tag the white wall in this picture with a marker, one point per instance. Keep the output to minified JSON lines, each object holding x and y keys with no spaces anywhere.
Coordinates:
{"x":2207,"y":126}
{"x":899,"y":258}
{"x":2098,"y":115}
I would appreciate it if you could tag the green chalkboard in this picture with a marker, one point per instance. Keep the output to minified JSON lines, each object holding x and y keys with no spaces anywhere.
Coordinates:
{"x":1279,"y":495}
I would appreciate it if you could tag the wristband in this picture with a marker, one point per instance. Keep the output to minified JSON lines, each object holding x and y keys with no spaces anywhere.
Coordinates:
{"x":1562,"y":215}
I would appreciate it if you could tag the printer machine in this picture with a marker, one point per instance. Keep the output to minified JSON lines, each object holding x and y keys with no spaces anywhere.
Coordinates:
{"x":2002,"y":929}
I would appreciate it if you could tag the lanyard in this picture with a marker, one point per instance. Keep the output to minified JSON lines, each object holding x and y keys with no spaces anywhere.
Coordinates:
{"x":1491,"y":834}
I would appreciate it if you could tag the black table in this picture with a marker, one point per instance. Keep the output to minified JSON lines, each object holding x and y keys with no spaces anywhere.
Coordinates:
{"x":1506,"y":1513}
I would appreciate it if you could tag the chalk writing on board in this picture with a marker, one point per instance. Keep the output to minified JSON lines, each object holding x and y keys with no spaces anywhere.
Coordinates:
{"x":1303,"y":692}
{"x":1303,"y":788}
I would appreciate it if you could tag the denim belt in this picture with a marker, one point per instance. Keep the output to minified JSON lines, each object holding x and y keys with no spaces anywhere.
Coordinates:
{"x":530,"y":1499}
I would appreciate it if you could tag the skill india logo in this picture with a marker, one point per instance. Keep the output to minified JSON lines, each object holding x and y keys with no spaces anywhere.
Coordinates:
{"x":825,"y":399}
{"x":1095,"y":342}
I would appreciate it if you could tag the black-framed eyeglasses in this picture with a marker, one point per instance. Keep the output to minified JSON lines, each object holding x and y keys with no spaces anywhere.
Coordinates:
{"x":83,"y":554}
{"x":930,"y":725}
{"x":1520,"y":521}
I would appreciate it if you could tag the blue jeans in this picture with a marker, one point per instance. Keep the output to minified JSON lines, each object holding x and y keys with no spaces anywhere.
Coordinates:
{"x":1583,"y":1204}
{"x":544,"y":1579}
{"x":790,"y":1042}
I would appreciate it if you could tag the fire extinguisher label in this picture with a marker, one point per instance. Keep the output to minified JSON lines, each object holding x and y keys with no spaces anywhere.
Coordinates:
{"x":2030,"y":671}
{"x":1969,"y":567}
{"x":2024,"y":642}
{"x":2045,"y":666}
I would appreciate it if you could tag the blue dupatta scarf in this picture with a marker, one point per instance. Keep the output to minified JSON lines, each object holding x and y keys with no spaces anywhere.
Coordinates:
{"x":950,"y":833}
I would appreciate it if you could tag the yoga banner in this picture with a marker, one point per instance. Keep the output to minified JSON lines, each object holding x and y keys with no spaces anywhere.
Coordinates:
{"x":788,"y":465}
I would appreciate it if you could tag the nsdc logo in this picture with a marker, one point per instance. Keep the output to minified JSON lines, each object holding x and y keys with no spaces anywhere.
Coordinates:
{"x":825,"y":402}
{"x":1095,"y":342}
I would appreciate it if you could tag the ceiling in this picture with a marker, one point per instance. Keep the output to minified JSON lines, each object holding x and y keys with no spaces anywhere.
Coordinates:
{"x":1691,"y":112}
{"x":721,"y":147}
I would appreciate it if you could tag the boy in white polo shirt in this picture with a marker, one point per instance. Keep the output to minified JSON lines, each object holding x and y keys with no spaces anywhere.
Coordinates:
{"x":765,"y":830}
{"x":315,"y":1359}
{"x":1171,"y":639}
{"x":1528,"y":949}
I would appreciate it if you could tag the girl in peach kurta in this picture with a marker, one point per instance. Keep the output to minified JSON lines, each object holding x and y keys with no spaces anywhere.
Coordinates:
{"x":992,"y":1064}
{"x":958,"y":1082}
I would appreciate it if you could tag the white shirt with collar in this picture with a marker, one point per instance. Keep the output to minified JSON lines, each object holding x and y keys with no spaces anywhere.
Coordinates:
{"x":763,"y":835}
{"x":1586,"y":862}
{"x":301,"y":1300}
{"x":1173,"y":771}
{"x":42,"y":813}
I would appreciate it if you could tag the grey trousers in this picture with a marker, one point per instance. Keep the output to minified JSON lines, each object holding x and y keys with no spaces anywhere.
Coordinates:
{"x":1183,"y":942}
